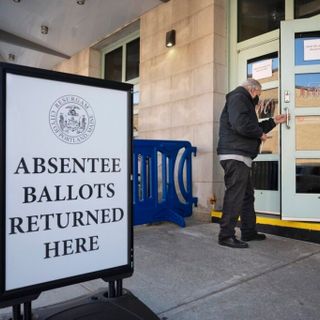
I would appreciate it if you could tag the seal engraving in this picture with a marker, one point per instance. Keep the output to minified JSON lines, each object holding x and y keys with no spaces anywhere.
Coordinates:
{"x":72,"y":119}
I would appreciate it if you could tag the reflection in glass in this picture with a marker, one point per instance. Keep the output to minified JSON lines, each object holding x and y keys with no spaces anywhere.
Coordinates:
{"x":306,"y":8}
{"x":307,"y":133}
{"x":301,"y":42}
{"x":308,"y":175}
{"x":258,"y":17}
{"x":113,"y":65}
{"x":275,"y":65}
{"x":266,"y":108}
{"x":132,"y":59}
{"x":307,"y":90}
{"x":265,"y":175}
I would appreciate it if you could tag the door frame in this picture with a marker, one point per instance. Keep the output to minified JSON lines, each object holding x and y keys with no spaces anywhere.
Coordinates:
{"x":292,"y":203}
{"x":266,"y":201}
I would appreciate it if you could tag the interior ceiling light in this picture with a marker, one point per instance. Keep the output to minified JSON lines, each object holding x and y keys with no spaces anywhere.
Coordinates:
{"x":81,"y":2}
{"x":11,"y":57}
{"x":44,"y":29}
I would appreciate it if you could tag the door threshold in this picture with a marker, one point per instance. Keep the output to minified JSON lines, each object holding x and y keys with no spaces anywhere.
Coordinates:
{"x":272,"y":224}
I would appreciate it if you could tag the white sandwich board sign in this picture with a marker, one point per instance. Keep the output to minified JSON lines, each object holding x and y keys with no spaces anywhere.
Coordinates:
{"x":65,"y":180}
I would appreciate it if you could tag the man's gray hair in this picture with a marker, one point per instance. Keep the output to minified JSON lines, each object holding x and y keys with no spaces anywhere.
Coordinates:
{"x":251,"y":84}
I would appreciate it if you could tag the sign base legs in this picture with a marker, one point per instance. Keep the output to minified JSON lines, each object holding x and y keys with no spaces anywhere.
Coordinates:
{"x":98,"y":306}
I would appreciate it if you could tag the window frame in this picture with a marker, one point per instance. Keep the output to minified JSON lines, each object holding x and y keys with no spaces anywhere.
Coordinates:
{"x":235,"y":47}
{"x":117,"y":44}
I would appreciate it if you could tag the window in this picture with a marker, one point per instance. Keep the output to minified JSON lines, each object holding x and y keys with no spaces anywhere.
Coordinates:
{"x":306,"y":8}
{"x":307,"y":176}
{"x":258,"y":17}
{"x":122,"y":60}
{"x":113,"y":65}
{"x":265,"y":175}
{"x":303,"y":40}
{"x":274,"y":70}
{"x":132,"y":59}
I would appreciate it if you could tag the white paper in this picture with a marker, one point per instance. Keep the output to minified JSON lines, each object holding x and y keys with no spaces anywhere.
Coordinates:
{"x":262,"y":69}
{"x":311,"y":49}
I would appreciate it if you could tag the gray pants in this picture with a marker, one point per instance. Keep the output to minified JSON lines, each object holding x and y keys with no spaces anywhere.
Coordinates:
{"x":238,"y":199}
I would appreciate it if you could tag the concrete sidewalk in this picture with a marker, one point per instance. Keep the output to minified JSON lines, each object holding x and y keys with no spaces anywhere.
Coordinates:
{"x":183,"y":274}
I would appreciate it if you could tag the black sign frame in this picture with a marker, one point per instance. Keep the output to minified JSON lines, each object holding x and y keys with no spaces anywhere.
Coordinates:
{"x":116,"y":273}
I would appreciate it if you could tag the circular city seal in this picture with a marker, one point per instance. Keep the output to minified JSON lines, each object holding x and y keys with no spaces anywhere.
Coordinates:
{"x":72,"y":119}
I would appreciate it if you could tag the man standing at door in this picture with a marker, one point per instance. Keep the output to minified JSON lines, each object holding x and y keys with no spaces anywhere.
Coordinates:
{"x":240,"y":136}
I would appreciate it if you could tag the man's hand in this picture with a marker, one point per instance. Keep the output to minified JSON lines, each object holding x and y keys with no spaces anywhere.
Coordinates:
{"x":264,"y":137}
{"x":280,"y":118}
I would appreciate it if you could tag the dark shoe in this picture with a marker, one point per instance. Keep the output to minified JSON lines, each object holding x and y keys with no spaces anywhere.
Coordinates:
{"x":254,"y":236}
{"x":233,"y":243}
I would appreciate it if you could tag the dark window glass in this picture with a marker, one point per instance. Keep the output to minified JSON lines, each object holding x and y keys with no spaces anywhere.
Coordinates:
{"x":306,"y":8}
{"x":307,"y":176}
{"x":132,"y":59}
{"x":265,"y":175}
{"x":258,"y":17}
{"x":113,"y":65}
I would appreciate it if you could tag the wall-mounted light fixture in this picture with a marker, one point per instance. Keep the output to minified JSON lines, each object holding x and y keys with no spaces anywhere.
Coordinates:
{"x":81,"y":2}
{"x":170,"y":38}
{"x":11,"y":57}
{"x":44,"y":29}
{"x":16,"y":1}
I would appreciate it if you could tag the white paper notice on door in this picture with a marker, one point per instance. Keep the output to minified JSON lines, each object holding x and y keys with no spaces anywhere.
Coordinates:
{"x":262,"y":69}
{"x":311,"y":49}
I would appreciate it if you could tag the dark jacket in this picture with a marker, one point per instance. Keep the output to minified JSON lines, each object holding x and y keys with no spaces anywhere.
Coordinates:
{"x":240,"y":130}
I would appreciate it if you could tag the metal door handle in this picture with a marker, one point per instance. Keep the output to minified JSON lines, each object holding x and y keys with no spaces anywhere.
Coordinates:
{"x":288,"y":118}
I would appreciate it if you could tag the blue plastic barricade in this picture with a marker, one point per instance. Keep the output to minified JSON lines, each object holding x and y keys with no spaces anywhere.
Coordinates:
{"x":162,"y":181}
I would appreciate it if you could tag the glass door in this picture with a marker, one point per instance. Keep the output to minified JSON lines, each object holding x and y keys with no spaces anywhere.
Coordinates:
{"x":300,"y":96}
{"x":261,"y":63}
